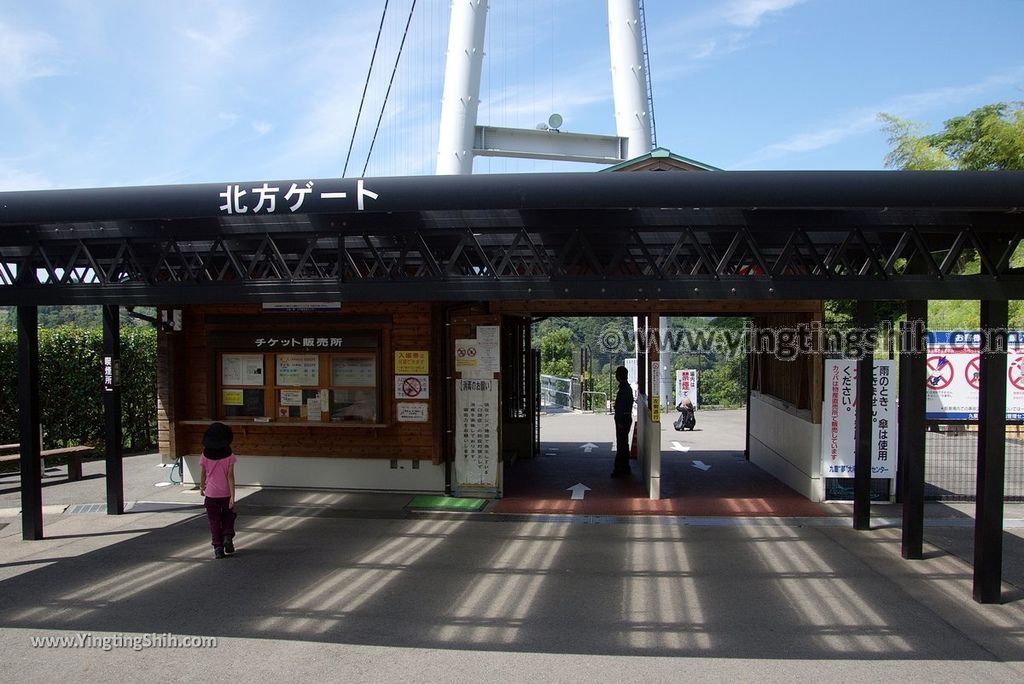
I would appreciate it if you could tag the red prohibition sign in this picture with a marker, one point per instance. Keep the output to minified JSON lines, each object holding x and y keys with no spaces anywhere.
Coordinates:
{"x":973,"y":372}
{"x":471,"y":351}
{"x":940,"y":372}
{"x":411,"y":387}
{"x":1016,"y":373}
{"x":460,"y":352}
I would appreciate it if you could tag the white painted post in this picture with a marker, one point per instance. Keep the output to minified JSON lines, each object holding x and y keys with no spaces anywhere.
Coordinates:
{"x":461,"y":96}
{"x":629,"y":82}
{"x":665,"y":381}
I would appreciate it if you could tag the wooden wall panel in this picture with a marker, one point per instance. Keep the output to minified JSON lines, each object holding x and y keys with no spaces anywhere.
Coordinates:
{"x":401,"y":327}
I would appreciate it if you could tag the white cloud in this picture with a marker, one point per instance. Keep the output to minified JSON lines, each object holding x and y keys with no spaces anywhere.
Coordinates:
{"x":748,"y":13}
{"x":724,"y":29}
{"x":262,"y":127}
{"x":849,"y":125}
{"x":13,"y":178}
{"x":915,"y":104}
{"x":25,"y":55}
{"x":221,"y":33}
{"x":864,"y":119}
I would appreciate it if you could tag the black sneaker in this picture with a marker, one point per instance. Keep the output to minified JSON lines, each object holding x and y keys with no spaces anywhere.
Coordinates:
{"x":229,"y":546}
{"x":218,"y":551}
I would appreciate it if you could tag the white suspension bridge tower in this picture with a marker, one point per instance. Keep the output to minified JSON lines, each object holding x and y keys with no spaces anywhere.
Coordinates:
{"x":461,"y":139}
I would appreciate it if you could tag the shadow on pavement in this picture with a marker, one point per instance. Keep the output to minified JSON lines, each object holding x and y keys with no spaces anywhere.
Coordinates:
{"x":310,"y":567}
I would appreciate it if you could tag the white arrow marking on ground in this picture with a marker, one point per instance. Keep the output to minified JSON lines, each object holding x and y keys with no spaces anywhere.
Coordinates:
{"x":679,"y":447}
{"x":578,"y":490}
{"x":701,"y":464}
{"x":588,"y":447}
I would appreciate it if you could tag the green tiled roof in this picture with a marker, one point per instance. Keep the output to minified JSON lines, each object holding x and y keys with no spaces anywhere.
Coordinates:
{"x":661,"y":153}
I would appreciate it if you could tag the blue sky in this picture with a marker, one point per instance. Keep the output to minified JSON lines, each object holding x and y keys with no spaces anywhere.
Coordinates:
{"x":108,"y":93}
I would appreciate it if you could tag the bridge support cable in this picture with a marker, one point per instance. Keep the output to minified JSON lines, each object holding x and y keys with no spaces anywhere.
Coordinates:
{"x":391,"y":82}
{"x":366,"y":86}
{"x":647,"y":73}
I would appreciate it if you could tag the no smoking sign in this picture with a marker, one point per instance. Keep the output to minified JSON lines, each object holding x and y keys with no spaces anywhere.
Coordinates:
{"x":412,"y":387}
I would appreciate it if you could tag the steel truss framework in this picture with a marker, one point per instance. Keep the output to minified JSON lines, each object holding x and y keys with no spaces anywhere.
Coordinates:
{"x":867,"y":235}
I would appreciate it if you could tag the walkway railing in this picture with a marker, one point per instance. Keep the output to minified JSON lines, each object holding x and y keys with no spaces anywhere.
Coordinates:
{"x":556,"y":391}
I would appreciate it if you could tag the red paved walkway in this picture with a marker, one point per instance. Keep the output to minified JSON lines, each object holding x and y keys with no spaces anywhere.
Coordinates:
{"x":731,"y":486}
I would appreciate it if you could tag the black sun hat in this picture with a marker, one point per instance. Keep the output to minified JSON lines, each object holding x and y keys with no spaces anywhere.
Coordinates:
{"x":218,"y":436}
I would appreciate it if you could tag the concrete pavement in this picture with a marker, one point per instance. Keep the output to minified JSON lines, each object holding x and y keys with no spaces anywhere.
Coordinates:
{"x":341,"y":585}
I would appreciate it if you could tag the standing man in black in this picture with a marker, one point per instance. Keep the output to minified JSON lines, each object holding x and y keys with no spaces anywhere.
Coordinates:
{"x":623,"y":421}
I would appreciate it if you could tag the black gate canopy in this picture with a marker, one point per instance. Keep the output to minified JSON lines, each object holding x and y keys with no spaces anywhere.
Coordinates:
{"x":667,"y":235}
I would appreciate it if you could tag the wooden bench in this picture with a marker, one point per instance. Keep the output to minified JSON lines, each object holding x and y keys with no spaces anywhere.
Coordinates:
{"x":72,"y":454}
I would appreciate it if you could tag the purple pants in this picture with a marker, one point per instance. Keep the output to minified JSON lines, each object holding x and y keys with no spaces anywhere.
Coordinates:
{"x":221,"y":519}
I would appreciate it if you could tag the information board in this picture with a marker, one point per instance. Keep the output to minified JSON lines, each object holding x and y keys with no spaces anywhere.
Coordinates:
{"x":298,"y":370}
{"x":838,"y":433}
{"x":476,"y":432}
{"x":413,"y":412}
{"x":241,"y":369}
{"x":354,"y":371}
{"x":412,"y":362}
{"x":952,"y":375}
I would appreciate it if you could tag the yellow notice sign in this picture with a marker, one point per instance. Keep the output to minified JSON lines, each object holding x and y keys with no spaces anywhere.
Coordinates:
{"x":412,"y":362}
{"x":656,"y":409}
{"x":232,"y":397}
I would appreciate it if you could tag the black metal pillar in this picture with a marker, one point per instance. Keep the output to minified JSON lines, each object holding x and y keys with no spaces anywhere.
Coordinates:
{"x":912,"y":433}
{"x":864,"y":321}
{"x":988,"y":519}
{"x":28,"y":423}
{"x":112,"y":408}
{"x":750,"y":375}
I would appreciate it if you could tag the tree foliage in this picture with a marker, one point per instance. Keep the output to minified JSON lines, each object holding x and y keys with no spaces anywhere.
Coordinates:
{"x":989,"y":138}
{"x":81,"y":316}
{"x":70,"y":390}
{"x":556,"y":353}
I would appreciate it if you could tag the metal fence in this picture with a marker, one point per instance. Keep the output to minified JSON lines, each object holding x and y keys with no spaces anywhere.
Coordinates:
{"x":951,"y":462}
{"x":556,"y":392}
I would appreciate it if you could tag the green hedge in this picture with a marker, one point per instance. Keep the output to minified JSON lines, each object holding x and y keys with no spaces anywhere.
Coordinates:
{"x":70,"y":388}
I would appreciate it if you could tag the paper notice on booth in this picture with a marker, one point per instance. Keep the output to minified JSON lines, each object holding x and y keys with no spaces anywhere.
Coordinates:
{"x":313,"y":410}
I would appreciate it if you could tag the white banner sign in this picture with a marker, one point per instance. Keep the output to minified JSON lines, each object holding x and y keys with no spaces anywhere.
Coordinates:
{"x":953,"y":370}
{"x":476,"y":432}
{"x":838,"y":419}
{"x":686,"y":386}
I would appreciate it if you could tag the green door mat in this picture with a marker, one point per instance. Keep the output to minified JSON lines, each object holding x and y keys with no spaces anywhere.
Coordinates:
{"x":446,"y":503}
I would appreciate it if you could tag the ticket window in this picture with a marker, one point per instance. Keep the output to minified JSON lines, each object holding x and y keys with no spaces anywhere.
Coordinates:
{"x":297,"y":387}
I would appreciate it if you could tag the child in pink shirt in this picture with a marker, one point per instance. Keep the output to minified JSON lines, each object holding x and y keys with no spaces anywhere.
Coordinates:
{"x":218,"y":486}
